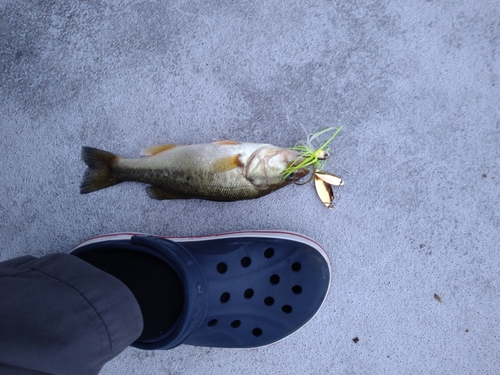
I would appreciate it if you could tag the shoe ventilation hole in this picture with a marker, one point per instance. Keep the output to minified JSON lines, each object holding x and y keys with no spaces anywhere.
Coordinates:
{"x":246,"y":261}
{"x":248,"y":293}
{"x":297,"y":289}
{"x":222,"y":267}
{"x":235,"y":323}
{"x":212,"y":323}
{"x":287,"y":309}
{"x":296,"y":266}
{"x":257,"y":332}
{"x":274,"y":279}
{"x":224,"y":297}
{"x":269,"y":301}
{"x":269,"y":253}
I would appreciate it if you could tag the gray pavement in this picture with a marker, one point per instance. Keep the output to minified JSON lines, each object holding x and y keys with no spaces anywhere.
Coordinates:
{"x":414,"y":236}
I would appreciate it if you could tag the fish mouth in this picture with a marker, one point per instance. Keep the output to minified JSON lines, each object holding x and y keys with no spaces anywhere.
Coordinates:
{"x":266,"y":165}
{"x":294,"y":158}
{"x":296,"y":176}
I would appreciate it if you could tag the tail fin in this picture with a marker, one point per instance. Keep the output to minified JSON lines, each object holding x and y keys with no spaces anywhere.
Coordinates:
{"x":99,"y":174}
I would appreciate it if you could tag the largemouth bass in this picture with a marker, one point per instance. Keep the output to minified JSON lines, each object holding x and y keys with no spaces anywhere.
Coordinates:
{"x":222,"y":171}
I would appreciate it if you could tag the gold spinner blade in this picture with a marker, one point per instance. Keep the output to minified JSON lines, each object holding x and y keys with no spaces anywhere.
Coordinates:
{"x":324,"y":190}
{"x":330,"y":178}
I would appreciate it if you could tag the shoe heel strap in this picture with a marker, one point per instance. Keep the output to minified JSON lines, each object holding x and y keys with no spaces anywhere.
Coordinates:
{"x":195,"y":289}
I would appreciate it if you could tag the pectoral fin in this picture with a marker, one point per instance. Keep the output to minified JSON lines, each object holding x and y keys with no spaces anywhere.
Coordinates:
{"x":226,"y":163}
{"x":153,"y":150}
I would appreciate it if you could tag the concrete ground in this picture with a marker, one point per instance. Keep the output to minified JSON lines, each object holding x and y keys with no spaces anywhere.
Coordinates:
{"x":414,"y":236}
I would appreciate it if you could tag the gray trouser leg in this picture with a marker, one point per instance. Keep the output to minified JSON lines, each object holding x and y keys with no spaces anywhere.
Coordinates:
{"x":60,"y":315}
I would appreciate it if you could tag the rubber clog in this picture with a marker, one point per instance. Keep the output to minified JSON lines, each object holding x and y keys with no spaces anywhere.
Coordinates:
{"x":241,"y":290}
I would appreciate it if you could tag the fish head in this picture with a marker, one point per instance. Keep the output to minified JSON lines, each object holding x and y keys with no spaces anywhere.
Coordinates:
{"x":265,"y":167}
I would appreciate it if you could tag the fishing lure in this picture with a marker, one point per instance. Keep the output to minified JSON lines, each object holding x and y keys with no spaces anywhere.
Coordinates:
{"x":315,"y":159}
{"x":323,"y":183}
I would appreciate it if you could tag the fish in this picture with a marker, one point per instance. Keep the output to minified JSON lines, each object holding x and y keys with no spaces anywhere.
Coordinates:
{"x":221,"y":171}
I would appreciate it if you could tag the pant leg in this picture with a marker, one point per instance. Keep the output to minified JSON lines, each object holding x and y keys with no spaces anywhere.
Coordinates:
{"x":60,"y":315}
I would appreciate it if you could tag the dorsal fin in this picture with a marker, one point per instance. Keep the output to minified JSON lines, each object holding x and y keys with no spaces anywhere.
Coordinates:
{"x":153,"y":150}
{"x":227,"y":142}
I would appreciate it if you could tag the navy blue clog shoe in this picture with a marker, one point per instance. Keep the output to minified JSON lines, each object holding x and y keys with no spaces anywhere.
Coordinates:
{"x":233,"y":290}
